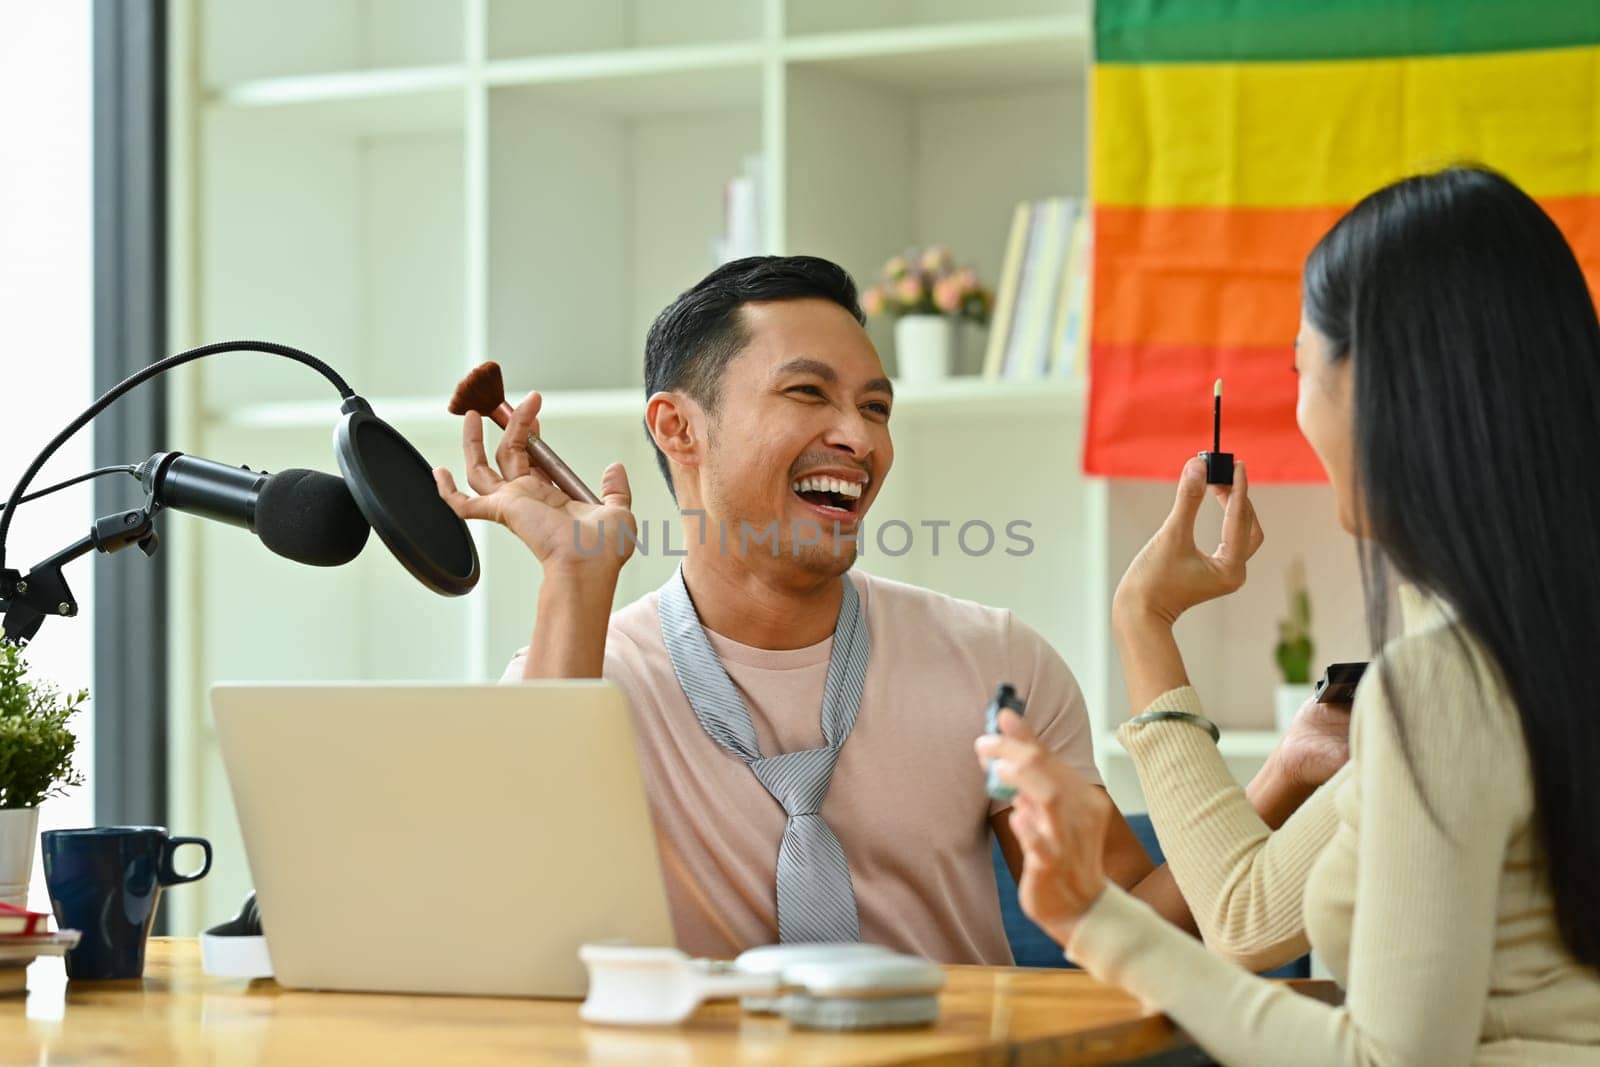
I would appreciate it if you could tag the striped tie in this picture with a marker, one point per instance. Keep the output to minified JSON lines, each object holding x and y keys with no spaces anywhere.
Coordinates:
{"x":816,"y":901}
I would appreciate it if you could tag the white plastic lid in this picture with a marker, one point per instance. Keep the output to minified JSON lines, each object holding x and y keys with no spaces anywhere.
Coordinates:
{"x":238,"y":956}
{"x":775,"y":959}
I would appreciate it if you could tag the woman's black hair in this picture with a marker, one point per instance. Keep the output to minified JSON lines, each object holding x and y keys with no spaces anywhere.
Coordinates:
{"x":1476,"y":386}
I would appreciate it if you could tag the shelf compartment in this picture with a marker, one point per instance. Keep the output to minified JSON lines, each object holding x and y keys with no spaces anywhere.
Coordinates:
{"x":518,"y":28}
{"x":605,"y":201}
{"x":954,"y":59}
{"x":246,"y":40}
{"x":336,"y":239}
{"x":841,"y":17}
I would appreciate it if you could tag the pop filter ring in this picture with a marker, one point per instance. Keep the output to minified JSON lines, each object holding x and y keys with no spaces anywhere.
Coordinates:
{"x":387,"y":519}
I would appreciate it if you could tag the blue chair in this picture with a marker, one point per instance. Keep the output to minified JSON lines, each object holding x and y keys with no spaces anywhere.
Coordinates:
{"x":1032,"y":947}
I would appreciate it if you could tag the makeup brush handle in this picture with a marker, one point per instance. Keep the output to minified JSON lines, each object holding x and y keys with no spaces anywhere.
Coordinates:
{"x":545,"y":458}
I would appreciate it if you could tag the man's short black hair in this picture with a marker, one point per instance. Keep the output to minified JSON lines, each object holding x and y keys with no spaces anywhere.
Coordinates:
{"x":692,"y":341}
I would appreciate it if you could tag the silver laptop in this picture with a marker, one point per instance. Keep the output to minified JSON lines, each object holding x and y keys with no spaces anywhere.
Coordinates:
{"x":442,"y":838}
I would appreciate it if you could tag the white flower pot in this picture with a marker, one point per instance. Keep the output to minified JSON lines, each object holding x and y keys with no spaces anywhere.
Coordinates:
{"x":924,"y":347}
{"x":1287,"y":700}
{"x":19,"y":831}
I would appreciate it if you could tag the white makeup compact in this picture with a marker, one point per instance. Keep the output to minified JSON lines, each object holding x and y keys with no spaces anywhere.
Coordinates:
{"x":819,"y":986}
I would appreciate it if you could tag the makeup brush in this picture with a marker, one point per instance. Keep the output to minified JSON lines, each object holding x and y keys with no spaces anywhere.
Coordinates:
{"x":484,"y":390}
{"x":1219,"y":464}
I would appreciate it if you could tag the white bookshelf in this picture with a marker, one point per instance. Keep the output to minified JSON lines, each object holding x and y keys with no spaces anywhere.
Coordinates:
{"x":409,"y":187}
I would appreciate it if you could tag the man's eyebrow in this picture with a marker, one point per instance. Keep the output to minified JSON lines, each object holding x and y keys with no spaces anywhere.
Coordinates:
{"x":809,"y":366}
{"x":828,"y":374}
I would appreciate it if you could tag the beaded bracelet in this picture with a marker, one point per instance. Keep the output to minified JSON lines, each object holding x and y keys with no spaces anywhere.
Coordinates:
{"x":1182,"y":716}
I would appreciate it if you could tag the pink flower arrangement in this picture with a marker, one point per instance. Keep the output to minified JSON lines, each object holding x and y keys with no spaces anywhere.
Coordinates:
{"x":927,"y":281}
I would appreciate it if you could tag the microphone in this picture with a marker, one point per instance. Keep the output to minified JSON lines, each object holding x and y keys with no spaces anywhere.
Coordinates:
{"x":303,"y":515}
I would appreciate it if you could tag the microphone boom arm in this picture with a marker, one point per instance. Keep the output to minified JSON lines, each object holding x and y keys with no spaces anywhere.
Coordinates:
{"x":9,"y":578}
{"x":44,"y":590}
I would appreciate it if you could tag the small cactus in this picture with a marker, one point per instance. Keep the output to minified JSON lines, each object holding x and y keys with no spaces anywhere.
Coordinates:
{"x":1295,"y":649}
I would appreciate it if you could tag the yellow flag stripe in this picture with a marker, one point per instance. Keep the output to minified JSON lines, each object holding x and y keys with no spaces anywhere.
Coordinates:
{"x":1309,"y":134}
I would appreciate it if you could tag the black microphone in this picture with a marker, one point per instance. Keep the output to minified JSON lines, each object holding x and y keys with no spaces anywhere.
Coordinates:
{"x":303,"y":515}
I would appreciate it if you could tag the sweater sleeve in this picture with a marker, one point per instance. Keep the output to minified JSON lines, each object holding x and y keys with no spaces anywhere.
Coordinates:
{"x":1427,"y":883}
{"x":1244,"y":883}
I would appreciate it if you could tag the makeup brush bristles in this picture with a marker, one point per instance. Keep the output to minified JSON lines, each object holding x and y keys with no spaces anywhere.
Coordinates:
{"x":482,"y":390}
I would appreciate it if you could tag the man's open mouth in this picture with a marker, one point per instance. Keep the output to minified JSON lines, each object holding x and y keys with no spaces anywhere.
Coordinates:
{"x":832,"y":496}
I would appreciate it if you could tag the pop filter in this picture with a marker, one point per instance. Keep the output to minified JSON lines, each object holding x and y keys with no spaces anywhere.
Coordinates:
{"x":393,"y":486}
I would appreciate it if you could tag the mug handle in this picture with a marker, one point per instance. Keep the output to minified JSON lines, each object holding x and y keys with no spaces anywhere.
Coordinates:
{"x":168,"y":875}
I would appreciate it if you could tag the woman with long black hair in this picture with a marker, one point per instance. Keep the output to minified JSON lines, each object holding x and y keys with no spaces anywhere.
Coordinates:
{"x":1449,"y":875}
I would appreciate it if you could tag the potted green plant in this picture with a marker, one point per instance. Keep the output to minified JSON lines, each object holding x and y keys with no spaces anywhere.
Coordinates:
{"x":36,"y":750}
{"x":929,"y":297}
{"x":1294,"y":649}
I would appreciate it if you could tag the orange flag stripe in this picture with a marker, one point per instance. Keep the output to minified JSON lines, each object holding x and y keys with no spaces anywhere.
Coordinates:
{"x":1230,"y":277}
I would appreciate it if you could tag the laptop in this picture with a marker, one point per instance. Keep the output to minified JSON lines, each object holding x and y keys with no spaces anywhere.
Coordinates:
{"x":418,"y":838}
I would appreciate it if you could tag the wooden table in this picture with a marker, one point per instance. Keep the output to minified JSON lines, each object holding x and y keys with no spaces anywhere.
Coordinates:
{"x":178,"y":1015}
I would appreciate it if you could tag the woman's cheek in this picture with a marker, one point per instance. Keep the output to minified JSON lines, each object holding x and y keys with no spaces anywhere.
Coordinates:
{"x":1302,"y":410}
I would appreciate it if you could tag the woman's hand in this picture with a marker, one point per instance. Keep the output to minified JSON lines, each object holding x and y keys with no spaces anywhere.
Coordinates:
{"x":1315,"y":746}
{"x":1059,"y":819}
{"x":562,"y":532}
{"x":1170,"y":574}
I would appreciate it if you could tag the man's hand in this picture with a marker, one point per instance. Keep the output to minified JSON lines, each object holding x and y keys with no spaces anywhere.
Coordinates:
{"x":563,"y":533}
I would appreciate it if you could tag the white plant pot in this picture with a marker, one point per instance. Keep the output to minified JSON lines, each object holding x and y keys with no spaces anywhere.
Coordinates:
{"x":924,"y":347}
{"x":19,"y":831}
{"x":1287,"y":700}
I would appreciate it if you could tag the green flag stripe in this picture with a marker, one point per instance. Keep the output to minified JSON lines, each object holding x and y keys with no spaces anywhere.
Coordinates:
{"x":1202,"y":31}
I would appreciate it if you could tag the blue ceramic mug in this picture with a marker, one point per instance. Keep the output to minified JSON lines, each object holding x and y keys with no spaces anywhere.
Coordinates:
{"x":105,"y":883}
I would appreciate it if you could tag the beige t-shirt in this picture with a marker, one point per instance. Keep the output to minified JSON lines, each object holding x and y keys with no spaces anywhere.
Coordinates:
{"x":907,"y":800}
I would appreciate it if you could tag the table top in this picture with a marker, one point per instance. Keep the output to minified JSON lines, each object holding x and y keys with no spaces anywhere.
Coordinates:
{"x":179,"y":1015}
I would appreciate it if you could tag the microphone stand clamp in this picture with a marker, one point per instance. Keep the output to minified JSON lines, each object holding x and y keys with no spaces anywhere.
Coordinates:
{"x":26,"y":600}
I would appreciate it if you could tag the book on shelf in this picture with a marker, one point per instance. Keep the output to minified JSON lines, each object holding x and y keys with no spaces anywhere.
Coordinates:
{"x":1006,"y":294}
{"x":1028,"y":348}
{"x":1069,"y":350}
{"x":1041,"y":307}
{"x":743,"y":213}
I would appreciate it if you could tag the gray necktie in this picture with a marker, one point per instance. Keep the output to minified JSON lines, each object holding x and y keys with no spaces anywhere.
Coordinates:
{"x":816,"y":901}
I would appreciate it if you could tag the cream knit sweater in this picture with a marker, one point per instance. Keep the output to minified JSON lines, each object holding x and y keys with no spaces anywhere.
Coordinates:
{"x":1443,"y":936}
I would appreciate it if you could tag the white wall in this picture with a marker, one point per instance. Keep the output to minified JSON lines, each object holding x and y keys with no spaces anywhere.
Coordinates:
{"x":46,"y":303}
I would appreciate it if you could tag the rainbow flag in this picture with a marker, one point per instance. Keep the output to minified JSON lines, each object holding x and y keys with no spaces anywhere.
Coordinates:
{"x":1229,"y":135}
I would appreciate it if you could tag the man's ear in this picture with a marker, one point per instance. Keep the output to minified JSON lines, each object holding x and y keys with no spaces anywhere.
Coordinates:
{"x":672,"y":419}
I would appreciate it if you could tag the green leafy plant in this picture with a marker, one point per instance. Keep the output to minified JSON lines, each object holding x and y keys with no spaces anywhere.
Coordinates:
{"x":1295,"y":649}
{"x":36,"y":741}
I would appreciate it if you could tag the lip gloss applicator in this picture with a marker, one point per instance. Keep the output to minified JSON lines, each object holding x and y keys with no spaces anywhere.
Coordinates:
{"x":1219,"y":464}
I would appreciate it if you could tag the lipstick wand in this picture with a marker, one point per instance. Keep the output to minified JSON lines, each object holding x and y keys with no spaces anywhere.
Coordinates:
{"x":1219,"y":464}
{"x":1216,"y":416}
